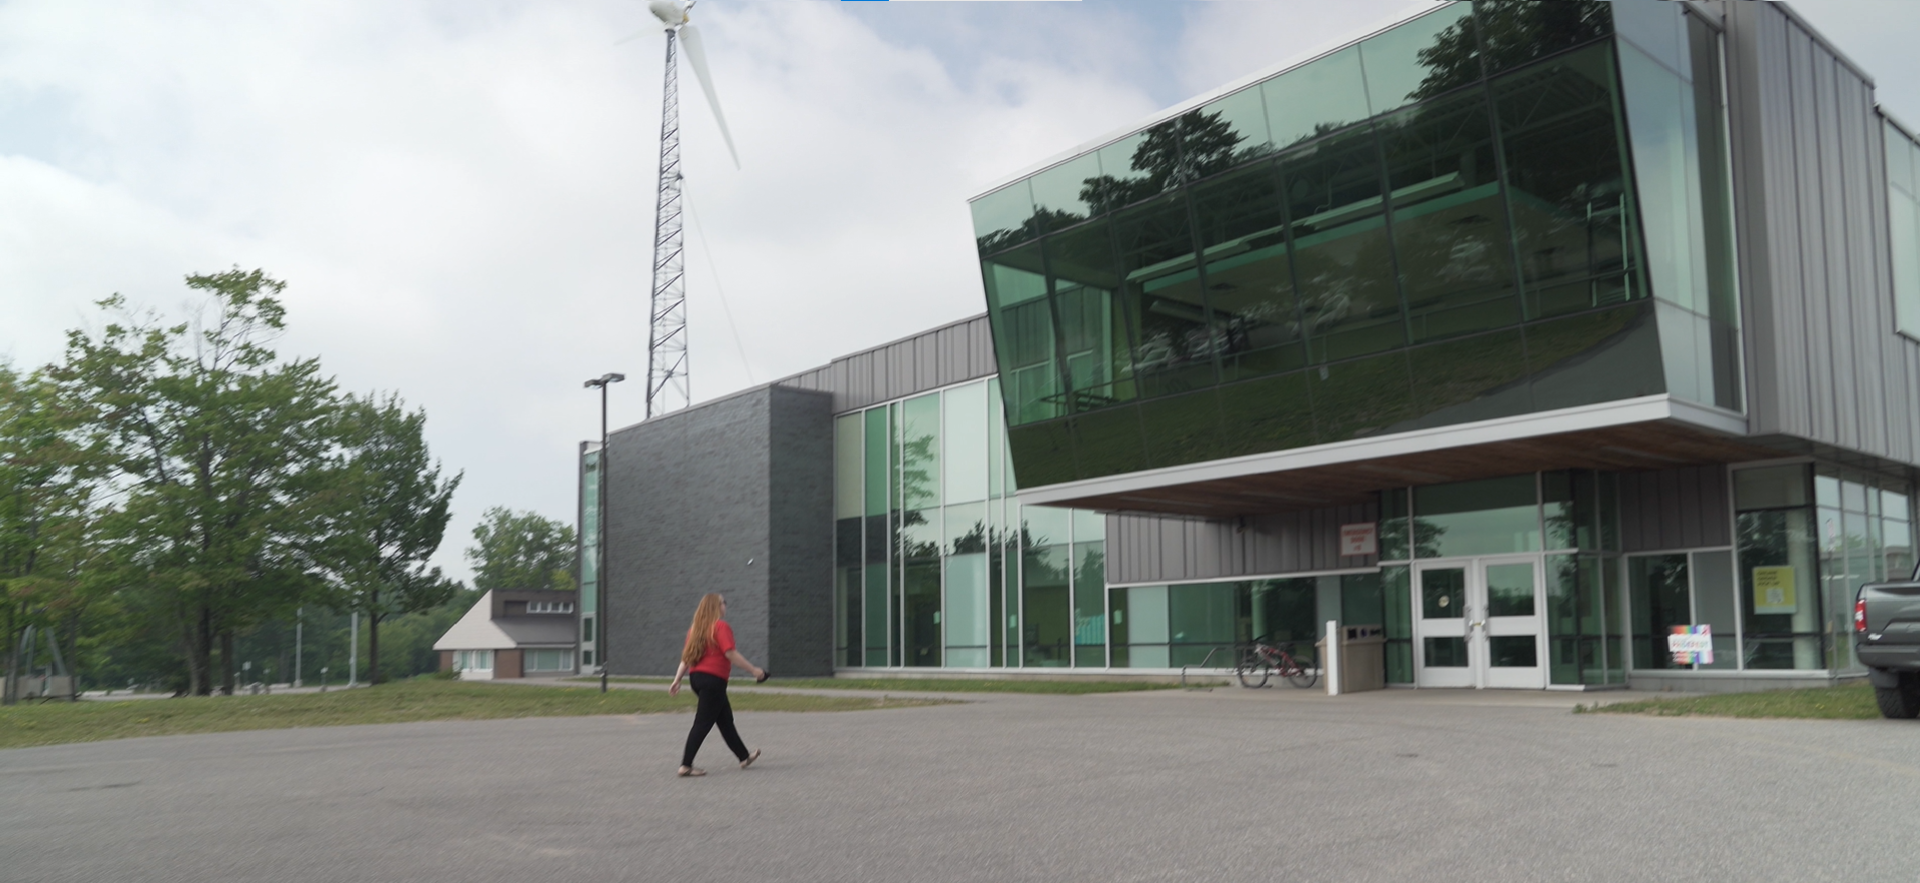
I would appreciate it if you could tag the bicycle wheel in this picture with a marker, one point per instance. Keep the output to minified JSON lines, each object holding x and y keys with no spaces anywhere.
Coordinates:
{"x":1253,"y":674}
{"x":1300,"y":675}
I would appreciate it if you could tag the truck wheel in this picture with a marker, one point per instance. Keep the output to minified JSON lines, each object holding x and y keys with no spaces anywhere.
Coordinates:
{"x":1902,"y":702}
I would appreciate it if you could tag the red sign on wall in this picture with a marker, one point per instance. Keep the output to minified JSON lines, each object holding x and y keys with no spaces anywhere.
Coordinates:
{"x":1359,"y":539}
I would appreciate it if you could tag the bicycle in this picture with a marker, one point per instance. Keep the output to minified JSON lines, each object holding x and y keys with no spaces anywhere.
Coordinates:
{"x":1263,"y":660}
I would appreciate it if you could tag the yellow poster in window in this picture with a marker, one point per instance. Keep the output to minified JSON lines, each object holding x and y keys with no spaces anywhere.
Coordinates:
{"x":1773,"y":590}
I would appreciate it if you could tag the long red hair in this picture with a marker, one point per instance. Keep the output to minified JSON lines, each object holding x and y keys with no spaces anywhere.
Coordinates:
{"x":700,"y":634}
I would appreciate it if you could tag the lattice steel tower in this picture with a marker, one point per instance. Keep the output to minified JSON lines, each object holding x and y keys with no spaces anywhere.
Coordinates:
{"x":667,"y":387}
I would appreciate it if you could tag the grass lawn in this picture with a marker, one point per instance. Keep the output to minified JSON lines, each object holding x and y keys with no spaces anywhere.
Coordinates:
{"x":419,"y":700}
{"x":1851,"y":702}
{"x":929,"y":685}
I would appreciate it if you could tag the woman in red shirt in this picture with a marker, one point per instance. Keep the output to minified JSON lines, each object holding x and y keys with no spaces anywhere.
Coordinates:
{"x":706,"y":662}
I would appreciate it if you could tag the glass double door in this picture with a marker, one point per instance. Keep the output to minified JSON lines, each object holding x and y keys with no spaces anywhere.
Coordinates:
{"x":1478,"y":623}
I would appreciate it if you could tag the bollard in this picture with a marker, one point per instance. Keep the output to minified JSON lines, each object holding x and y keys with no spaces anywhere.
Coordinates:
{"x":1331,"y":668}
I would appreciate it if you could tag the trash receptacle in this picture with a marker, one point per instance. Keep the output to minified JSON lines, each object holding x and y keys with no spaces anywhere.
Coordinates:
{"x":1362,"y":660}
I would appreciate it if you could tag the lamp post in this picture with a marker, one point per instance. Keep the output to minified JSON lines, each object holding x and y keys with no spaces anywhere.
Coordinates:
{"x":600,"y":527}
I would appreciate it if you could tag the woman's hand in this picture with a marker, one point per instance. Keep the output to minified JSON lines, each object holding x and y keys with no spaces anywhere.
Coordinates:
{"x":673,"y":689}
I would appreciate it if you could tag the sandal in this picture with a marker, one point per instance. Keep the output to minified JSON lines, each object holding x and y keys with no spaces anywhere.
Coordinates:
{"x":687,"y":771}
{"x":750,"y":759}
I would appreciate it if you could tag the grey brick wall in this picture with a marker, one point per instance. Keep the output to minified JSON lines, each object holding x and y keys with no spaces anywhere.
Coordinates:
{"x":800,"y":546}
{"x":695,"y":504}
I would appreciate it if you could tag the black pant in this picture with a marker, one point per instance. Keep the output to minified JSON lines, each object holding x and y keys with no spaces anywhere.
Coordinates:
{"x":713,"y":710}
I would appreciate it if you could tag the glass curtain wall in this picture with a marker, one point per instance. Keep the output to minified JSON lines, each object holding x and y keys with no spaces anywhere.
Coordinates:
{"x":1433,"y":226}
{"x":1865,"y":535}
{"x":1571,"y":515}
{"x":589,"y":551}
{"x":936,"y":564}
{"x":1672,"y":78}
{"x":1169,"y":626}
{"x":1682,"y":589}
{"x":1779,"y":596}
{"x":1903,"y":208}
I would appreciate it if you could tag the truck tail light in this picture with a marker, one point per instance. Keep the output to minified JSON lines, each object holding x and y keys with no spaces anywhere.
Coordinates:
{"x":1860,"y":615}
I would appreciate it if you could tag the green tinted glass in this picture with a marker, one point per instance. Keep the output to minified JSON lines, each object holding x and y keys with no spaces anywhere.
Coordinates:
{"x":1317,"y":98}
{"x":965,"y":612}
{"x":1421,"y":58}
{"x":1249,"y":271}
{"x":1490,"y":517}
{"x":964,"y":442}
{"x":920,"y":451}
{"x":1089,"y":604}
{"x":1093,"y":326}
{"x":1595,"y":357}
{"x":1058,"y":191}
{"x":1000,"y":218}
{"x":1173,"y":341}
{"x":849,"y":465}
{"x":1046,"y":630}
{"x":1510,"y":590}
{"x":878,"y":474}
{"x":1343,"y":258}
{"x":1514,"y":32}
{"x":1045,"y":525}
{"x":1566,"y":181}
{"x":1450,"y":228}
{"x":1244,"y":118}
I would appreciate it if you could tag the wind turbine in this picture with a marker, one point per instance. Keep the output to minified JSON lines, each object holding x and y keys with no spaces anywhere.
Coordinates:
{"x":667,"y":326}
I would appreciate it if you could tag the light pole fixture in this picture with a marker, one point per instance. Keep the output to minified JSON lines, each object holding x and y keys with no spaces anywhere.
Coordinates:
{"x":600,"y":527}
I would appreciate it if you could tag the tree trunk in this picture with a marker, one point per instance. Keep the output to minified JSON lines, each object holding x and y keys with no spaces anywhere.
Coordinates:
{"x":200,"y":654}
{"x":226,"y":663}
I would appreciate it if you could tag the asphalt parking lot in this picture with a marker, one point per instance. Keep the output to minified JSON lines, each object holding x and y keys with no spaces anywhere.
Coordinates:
{"x":1224,"y":785}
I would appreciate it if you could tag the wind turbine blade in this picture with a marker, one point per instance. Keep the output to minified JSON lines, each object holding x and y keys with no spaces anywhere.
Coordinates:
{"x":697,"y":55}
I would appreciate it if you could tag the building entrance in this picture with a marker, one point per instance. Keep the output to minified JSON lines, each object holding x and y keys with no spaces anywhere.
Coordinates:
{"x":1478,"y":623}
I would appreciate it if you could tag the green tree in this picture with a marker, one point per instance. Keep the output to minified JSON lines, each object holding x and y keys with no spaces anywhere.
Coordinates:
{"x":521,"y":550}
{"x":222,"y":453}
{"x":389,"y":514}
{"x":47,"y":516}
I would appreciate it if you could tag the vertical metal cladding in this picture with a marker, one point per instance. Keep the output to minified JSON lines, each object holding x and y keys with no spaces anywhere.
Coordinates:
{"x":1824,"y":361}
{"x":1151,"y":549}
{"x":944,"y":356}
{"x":1682,"y":508}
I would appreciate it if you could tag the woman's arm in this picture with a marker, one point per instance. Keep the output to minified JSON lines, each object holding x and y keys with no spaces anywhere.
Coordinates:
{"x":741,"y":662}
{"x":673,"y":689}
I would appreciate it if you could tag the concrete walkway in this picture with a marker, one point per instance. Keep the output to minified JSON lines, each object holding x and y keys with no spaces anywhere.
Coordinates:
{"x":1172,"y":785}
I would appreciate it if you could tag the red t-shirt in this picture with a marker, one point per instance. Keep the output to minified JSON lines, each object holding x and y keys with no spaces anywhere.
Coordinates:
{"x":716,"y":662}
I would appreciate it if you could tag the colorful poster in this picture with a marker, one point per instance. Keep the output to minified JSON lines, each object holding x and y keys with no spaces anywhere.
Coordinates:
{"x":1773,"y":590}
{"x":1691,"y":644}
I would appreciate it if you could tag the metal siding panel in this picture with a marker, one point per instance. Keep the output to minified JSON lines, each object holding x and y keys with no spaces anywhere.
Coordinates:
{"x":1630,"y":520}
{"x":1750,"y":152}
{"x":1671,"y":532}
{"x":1810,"y":226}
{"x":1789,"y":308}
{"x":1715,"y":512}
{"x":926,"y":352}
{"x":1687,"y":527}
{"x":1311,"y":541}
{"x":1897,"y":395}
{"x":1837,"y":295}
{"x":981,"y":348}
{"x":1874,"y":302}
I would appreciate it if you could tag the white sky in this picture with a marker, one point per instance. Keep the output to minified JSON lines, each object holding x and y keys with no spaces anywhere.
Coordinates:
{"x":460,"y":192}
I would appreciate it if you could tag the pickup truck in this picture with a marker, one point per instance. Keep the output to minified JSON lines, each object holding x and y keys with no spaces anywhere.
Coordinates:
{"x":1886,"y":619}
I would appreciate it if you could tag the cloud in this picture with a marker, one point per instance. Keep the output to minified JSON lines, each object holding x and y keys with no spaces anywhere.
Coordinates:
{"x":461,"y":192}
{"x":461,"y":195}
